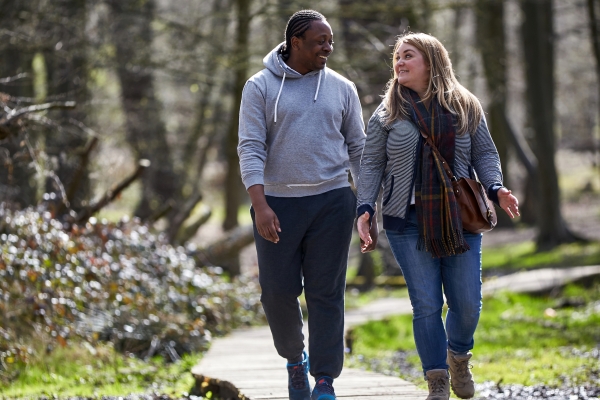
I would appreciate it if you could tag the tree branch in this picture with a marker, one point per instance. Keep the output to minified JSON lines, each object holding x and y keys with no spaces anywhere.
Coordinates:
{"x":187,"y":232}
{"x":111,"y":194}
{"x":79,"y":174}
{"x":14,"y":78}
{"x":523,"y":150}
{"x":16,"y":113}
{"x":182,"y":214}
{"x":236,"y":240}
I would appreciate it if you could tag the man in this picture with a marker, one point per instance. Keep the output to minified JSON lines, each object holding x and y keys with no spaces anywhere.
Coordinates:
{"x":301,"y":130}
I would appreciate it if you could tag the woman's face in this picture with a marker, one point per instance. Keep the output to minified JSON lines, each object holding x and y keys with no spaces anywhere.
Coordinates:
{"x":411,"y":68}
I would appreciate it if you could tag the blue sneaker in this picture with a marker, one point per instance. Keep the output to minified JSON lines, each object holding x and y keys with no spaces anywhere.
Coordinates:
{"x":298,"y":385}
{"x":323,"y":389}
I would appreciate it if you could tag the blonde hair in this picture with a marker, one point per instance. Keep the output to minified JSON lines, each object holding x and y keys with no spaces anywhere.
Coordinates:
{"x":443,"y":85}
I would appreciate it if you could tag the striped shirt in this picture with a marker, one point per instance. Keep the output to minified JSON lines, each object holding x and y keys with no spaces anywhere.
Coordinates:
{"x":390,"y":159}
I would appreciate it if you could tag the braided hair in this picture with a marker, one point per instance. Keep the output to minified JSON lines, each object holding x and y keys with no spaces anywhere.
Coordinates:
{"x":296,"y":26}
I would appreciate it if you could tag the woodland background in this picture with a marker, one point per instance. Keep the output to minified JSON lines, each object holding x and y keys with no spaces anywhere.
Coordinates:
{"x":122,"y":212}
{"x":156,"y":87}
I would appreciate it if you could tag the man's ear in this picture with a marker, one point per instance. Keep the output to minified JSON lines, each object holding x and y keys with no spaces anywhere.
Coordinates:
{"x":295,"y":41}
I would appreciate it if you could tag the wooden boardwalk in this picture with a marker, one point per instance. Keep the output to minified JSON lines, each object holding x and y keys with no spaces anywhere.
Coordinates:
{"x":245,"y":365}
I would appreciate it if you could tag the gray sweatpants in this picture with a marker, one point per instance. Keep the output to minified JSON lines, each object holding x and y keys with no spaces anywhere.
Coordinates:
{"x":312,"y":253}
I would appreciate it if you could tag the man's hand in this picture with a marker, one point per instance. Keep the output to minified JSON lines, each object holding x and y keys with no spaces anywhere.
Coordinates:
{"x":267,"y":223}
{"x":368,"y":235}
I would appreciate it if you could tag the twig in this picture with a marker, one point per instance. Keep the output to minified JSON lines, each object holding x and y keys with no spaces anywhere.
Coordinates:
{"x":112,"y":193}
{"x":83,"y":127}
{"x":187,"y":232}
{"x":14,"y":78}
{"x":45,"y":173}
{"x":183,"y":213}
{"x":524,"y":152}
{"x":161,"y":212}
{"x":8,"y":122}
{"x":16,"y":113}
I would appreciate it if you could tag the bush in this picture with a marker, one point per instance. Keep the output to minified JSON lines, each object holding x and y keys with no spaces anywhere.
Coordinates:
{"x":116,"y":282}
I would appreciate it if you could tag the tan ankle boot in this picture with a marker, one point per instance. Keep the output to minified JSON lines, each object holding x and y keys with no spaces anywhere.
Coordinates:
{"x":461,"y":378}
{"x":439,"y":385}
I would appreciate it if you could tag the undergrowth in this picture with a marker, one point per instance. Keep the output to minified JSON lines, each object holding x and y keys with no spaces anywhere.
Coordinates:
{"x":521,"y":339}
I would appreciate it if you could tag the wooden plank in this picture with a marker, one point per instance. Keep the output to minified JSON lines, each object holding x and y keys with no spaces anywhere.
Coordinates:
{"x":247,"y":361}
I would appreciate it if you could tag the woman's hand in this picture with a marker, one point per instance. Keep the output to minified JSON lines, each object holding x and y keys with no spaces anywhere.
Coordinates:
{"x":368,"y":235}
{"x":508,"y":202}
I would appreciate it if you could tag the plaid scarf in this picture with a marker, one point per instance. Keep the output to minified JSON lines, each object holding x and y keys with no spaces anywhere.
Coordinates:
{"x":440,"y":227}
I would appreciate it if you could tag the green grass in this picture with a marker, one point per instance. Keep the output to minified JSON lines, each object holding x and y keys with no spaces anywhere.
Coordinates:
{"x":78,"y":371}
{"x":523,"y":256}
{"x":355,"y":298}
{"x":521,"y":339}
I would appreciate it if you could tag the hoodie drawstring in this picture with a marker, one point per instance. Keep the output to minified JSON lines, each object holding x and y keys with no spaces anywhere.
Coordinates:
{"x":281,"y":88}
{"x":318,"y":85}
{"x":279,"y":94}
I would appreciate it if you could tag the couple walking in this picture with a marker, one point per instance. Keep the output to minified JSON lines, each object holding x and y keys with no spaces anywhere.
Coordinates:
{"x":301,"y":131}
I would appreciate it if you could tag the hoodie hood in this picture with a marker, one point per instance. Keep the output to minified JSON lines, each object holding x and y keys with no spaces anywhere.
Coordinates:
{"x":274,"y":63}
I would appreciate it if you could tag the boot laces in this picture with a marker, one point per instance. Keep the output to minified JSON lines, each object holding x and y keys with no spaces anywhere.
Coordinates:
{"x":437,"y":385}
{"x":325,"y":387}
{"x":462,"y":368}
{"x":298,"y":377}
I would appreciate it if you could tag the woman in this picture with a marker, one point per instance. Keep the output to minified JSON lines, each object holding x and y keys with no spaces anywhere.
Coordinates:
{"x":420,"y":214}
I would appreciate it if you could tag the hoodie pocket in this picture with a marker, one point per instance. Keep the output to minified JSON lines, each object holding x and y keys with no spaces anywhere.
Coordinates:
{"x":388,"y":196}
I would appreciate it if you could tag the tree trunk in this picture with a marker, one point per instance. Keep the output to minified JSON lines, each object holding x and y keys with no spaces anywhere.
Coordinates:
{"x":233,"y":185}
{"x":455,"y":46}
{"x":595,"y":37}
{"x":491,"y":42}
{"x":17,"y":177}
{"x":527,"y":205}
{"x":366,"y":269}
{"x":146,"y":132}
{"x":191,"y":159}
{"x":537,"y":35}
{"x":67,"y":69}
{"x":17,"y":184}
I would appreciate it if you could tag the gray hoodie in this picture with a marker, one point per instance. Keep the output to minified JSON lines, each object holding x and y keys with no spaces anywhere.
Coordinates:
{"x":299,"y":134}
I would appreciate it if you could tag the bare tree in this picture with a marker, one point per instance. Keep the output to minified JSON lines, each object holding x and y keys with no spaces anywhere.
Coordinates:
{"x":65,"y":57}
{"x":146,"y":132}
{"x":233,"y":186}
{"x":593,"y":6}
{"x":537,"y":33}
{"x":491,"y":43}
{"x":17,"y":179}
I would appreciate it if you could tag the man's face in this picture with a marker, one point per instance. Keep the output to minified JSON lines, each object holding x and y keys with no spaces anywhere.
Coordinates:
{"x":314,"y":47}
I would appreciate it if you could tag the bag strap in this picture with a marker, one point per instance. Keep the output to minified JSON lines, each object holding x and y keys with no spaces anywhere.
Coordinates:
{"x":444,"y":163}
{"x":451,"y":174}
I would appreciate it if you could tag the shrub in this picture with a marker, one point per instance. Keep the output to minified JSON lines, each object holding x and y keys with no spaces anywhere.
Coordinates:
{"x":116,"y":282}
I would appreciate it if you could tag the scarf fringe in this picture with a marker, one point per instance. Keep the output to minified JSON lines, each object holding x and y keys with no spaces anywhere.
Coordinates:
{"x":443,"y":247}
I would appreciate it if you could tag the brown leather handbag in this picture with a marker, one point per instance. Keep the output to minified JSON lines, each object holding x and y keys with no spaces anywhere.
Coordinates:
{"x":477,"y":212}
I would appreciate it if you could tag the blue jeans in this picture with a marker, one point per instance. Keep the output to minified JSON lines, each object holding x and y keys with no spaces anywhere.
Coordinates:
{"x":459,"y":277}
